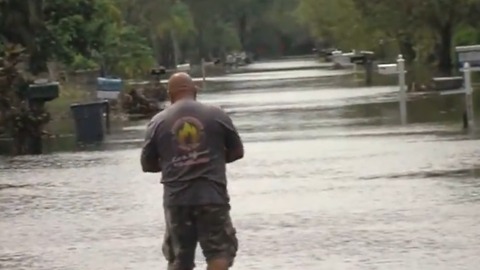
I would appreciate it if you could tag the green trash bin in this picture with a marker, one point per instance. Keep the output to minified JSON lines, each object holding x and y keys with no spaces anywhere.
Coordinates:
{"x":88,"y":119}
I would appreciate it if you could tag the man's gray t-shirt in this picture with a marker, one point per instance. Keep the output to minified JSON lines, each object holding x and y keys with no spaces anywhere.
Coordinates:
{"x":191,"y":139}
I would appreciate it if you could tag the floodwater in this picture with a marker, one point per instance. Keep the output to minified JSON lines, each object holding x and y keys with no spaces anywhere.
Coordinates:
{"x":330,"y":181}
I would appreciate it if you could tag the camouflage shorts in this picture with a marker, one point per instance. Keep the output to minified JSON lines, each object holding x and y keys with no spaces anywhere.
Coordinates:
{"x":211,"y":226}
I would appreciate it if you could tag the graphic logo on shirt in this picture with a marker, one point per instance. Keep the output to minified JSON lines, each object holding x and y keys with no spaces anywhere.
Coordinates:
{"x":189,"y":133}
{"x":189,"y":136}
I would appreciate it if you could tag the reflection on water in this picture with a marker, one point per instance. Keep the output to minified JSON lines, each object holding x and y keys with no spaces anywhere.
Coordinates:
{"x":279,"y":75}
{"x":331,"y":181}
{"x":284,"y":64}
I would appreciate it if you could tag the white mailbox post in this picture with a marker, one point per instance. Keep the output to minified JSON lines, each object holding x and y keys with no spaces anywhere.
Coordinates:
{"x":398,"y":69}
{"x":470,"y":111}
{"x":469,"y":58}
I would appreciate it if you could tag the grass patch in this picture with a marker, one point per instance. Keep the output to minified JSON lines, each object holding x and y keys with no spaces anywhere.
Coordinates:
{"x":61,"y":117}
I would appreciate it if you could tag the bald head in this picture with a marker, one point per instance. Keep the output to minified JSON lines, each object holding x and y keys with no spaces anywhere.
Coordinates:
{"x":180,"y":86}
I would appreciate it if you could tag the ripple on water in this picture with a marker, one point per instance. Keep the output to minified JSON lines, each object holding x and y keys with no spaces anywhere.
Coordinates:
{"x":57,"y":161}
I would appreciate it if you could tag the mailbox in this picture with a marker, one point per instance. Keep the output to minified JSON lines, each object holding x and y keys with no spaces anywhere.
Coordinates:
{"x":358,"y":59}
{"x":470,"y":54}
{"x":388,"y":69}
{"x":213,"y":63}
{"x":342,"y":59}
{"x":447,"y":83}
{"x":368,"y":56}
{"x":335,"y":54}
{"x":158,"y":71}
{"x":362,"y":58}
{"x":367,"y":53}
{"x":327,"y":54}
{"x":108,"y":88}
{"x":43,"y":91}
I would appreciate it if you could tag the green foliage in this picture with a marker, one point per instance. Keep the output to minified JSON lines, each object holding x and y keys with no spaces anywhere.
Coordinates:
{"x":180,"y":20}
{"x":127,"y":53}
{"x":223,"y":37}
{"x":127,"y":37}
{"x":338,"y":21}
{"x":423,"y":30}
{"x":78,"y":27}
{"x":80,"y":62}
{"x":467,"y":35}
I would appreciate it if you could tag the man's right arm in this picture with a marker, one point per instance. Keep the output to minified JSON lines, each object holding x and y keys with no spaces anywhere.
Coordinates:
{"x":233,"y":143}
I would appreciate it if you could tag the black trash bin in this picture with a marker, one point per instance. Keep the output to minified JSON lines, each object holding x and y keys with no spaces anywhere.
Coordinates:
{"x":88,"y":119}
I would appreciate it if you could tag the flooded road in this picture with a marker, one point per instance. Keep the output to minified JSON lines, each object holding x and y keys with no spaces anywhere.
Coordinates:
{"x":330,"y":181}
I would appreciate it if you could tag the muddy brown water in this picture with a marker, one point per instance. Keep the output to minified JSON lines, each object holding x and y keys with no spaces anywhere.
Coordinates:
{"x":330,"y":181}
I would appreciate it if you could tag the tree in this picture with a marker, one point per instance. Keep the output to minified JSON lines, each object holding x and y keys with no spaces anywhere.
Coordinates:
{"x":424,"y":30}
{"x":21,"y":22}
{"x":444,"y":17}
{"x":79,"y":28}
{"x":337,"y":21}
{"x":127,"y":53}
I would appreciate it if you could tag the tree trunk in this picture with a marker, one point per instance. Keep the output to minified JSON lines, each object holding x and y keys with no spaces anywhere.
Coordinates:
{"x":176,"y":49}
{"x":201,"y":46}
{"x":407,"y":49}
{"x":167,"y":53}
{"x":242,"y":30}
{"x":156,"y":50}
{"x":445,"y":50}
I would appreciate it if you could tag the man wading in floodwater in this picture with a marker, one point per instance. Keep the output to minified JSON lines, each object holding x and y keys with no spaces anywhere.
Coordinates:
{"x":190,"y":143}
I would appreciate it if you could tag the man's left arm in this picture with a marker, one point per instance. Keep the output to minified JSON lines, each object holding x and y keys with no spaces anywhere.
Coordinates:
{"x":150,"y":158}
